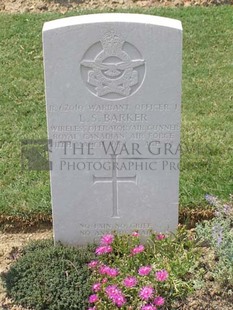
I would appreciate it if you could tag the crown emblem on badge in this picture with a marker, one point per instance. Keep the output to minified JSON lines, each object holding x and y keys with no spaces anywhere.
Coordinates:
{"x":112,"y":43}
{"x":113,"y":71}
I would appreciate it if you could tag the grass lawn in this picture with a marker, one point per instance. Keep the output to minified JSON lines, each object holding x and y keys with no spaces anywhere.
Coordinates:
{"x":207,"y":111}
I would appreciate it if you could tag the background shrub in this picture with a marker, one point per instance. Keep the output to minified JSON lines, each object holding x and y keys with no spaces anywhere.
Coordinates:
{"x":218,"y":235}
{"x":48,"y":277}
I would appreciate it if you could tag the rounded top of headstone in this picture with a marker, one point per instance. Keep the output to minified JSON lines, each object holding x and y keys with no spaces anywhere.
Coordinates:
{"x":111,"y":18}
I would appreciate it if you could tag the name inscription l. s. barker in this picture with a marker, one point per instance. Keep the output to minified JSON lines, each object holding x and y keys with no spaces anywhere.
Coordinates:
{"x":113,"y":109}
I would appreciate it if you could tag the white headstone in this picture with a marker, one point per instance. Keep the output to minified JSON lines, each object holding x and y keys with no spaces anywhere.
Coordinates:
{"x":113,"y":93}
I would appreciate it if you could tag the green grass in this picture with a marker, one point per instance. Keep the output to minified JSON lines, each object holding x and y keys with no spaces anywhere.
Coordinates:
{"x":207,"y":111}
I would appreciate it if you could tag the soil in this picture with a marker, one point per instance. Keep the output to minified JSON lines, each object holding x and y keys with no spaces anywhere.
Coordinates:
{"x":63,"y":6}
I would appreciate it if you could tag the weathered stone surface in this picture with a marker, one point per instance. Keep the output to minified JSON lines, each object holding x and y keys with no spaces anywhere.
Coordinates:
{"x":113,"y":92}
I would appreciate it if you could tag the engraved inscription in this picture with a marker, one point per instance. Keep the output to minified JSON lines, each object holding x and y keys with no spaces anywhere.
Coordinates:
{"x":113,"y":73}
{"x":99,"y":229}
{"x":113,"y":130}
{"x":114,"y":179}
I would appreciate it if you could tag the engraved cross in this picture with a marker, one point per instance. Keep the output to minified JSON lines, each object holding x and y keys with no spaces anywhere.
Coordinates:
{"x":114,"y":179}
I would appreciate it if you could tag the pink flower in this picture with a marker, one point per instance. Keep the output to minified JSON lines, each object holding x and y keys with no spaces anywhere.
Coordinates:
{"x":148,"y":307}
{"x":160,"y":236}
{"x":96,"y":287}
{"x":92,"y":308}
{"x":115,"y":294}
{"x":103,"y":250}
{"x":112,"y":272}
{"x":130,"y":281}
{"x":119,"y":300}
{"x":135,"y":234}
{"x":105,"y":280}
{"x":93,"y":298}
{"x":161,"y":275}
{"x":107,"y":239}
{"x":112,"y":290}
{"x":137,"y":249}
{"x":146,"y":292}
{"x":144,"y":271}
{"x":103,"y":269}
{"x":93,"y":264}
{"x":159,"y":301}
